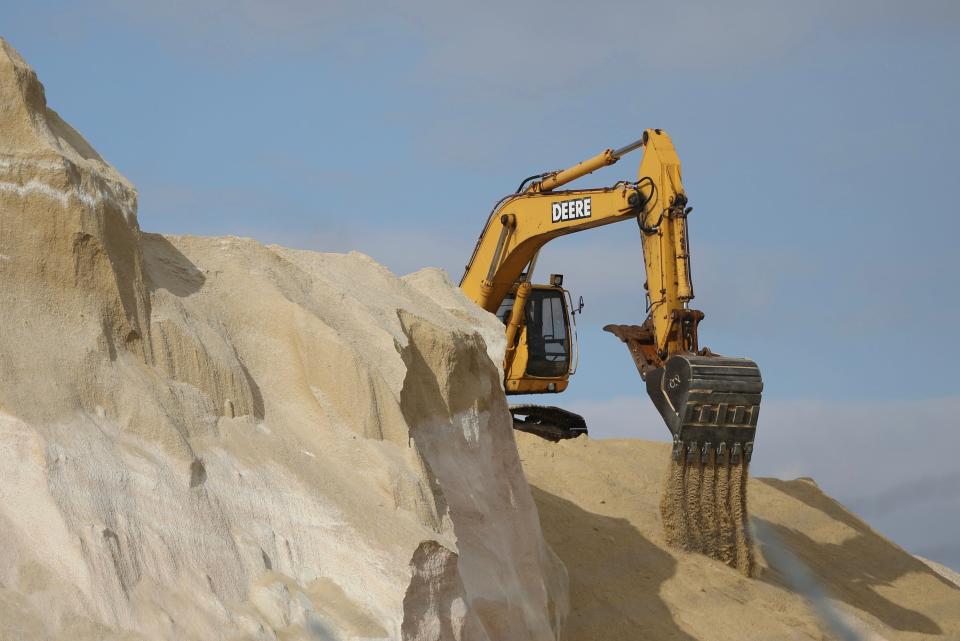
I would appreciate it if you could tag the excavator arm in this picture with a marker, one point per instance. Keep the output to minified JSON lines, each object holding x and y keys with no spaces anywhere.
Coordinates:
{"x":522,"y":223}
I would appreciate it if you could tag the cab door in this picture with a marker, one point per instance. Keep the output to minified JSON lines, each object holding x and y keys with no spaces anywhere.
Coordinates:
{"x":548,"y":334}
{"x":542,"y":361}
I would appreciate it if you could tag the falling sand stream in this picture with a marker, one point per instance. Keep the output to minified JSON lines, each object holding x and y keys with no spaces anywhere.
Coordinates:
{"x":704,"y":507}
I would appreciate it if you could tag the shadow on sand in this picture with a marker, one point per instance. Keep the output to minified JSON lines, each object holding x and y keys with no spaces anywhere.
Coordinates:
{"x":614,"y":585}
{"x":167,"y":268}
{"x":855,"y":568}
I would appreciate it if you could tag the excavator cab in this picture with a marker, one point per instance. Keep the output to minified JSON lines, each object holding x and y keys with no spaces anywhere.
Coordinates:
{"x":545,"y":357}
{"x":547,"y":344}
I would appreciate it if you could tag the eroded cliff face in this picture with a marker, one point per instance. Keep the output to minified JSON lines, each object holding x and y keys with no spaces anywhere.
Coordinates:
{"x":210,"y":438}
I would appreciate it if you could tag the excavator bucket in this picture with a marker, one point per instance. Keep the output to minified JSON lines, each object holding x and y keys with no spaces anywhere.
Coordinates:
{"x":711,"y":404}
{"x":708,"y":403}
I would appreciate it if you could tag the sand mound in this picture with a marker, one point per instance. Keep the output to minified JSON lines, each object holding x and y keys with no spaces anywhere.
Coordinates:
{"x":822,"y":572}
{"x":213,"y":439}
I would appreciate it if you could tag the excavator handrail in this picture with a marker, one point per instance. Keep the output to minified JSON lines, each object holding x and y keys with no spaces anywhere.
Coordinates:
{"x":575,"y":342}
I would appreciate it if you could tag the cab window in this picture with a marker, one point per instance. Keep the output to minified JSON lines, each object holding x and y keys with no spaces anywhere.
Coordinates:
{"x":548,"y":344}
{"x":503,"y":312}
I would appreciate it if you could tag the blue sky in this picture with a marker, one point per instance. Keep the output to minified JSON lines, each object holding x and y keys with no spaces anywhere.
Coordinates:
{"x":818,"y":141}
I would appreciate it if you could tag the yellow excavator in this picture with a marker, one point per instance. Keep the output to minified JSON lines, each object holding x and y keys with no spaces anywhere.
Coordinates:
{"x":709,"y":402}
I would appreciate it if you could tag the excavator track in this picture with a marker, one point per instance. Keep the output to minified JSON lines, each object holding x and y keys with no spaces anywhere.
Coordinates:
{"x":550,"y":423}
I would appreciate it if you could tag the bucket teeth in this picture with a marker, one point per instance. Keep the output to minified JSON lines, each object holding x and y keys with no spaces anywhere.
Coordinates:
{"x":733,"y":452}
{"x":677,"y":450}
{"x":736,"y":453}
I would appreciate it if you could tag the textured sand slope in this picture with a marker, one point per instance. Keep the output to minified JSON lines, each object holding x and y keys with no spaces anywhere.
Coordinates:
{"x":207,"y":438}
{"x":598,"y":503}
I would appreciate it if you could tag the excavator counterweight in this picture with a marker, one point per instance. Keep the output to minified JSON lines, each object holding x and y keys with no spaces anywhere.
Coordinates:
{"x":551,"y":423}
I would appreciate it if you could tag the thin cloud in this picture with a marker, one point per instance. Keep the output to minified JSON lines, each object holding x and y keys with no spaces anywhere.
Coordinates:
{"x":938,"y":488}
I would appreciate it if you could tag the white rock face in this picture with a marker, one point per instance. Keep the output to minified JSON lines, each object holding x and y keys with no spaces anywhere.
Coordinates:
{"x":212,"y":439}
